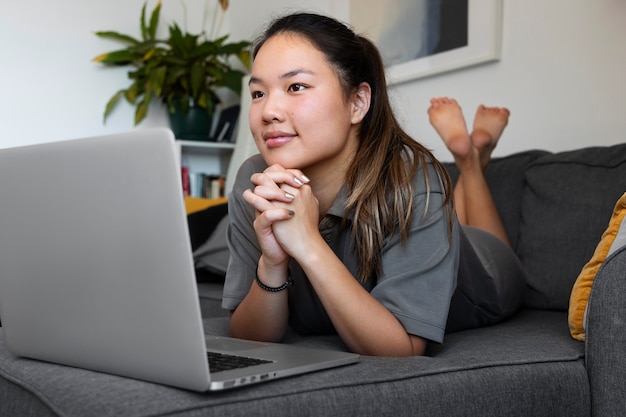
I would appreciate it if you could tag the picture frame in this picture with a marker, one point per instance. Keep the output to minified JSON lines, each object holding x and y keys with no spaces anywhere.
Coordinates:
{"x":484,"y":33}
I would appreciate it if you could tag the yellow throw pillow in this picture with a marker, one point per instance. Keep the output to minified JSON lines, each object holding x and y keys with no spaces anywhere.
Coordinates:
{"x":582,"y":286}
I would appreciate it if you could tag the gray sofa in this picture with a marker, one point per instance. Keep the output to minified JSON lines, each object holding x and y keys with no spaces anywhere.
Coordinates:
{"x":555,"y":207}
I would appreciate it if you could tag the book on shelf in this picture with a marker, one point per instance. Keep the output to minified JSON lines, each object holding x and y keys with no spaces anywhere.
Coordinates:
{"x":203,"y":185}
{"x":226,"y":121}
{"x":185,"y":179}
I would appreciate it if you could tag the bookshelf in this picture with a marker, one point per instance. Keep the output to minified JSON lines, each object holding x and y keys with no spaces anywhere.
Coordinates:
{"x":210,"y":158}
{"x":223,"y":158}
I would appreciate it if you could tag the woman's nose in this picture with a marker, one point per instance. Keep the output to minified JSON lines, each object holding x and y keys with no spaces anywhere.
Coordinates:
{"x":273,"y":107}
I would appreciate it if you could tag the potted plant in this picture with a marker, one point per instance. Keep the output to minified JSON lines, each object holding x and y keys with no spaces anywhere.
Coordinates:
{"x":183,"y":70}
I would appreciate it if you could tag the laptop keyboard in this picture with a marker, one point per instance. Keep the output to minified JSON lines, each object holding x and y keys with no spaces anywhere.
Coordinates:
{"x":222,"y":362}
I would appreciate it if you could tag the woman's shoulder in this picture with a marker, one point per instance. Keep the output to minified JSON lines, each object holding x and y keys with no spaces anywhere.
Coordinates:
{"x":429,"y":176}
{"x":252,"y":165}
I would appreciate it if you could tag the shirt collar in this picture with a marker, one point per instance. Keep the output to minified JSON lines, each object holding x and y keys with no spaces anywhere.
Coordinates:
{"x":338,"y":208}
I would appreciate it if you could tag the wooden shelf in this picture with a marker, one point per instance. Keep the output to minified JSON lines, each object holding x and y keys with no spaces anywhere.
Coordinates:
{"x":213,"y":148}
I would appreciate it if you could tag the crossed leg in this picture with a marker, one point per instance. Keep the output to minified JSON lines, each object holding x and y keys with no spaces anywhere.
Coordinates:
{"x":472,"y":152}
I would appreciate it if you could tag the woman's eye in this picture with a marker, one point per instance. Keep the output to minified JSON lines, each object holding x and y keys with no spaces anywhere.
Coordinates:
{"x":256,"y":94}
{"x":296,"y":87}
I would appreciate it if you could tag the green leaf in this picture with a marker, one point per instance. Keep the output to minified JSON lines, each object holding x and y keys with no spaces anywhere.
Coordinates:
{"x":142,"y":108}
{"x":117,"y":37}
{"x":198,"y":77}
{"x":205,"y":49}
{"x":174,"y":60}
{"x":184,"y":85}
{"x":215,"y":72}
{"x":245,"y":57}
{"x":121,"y":57}
{"x":176,"y":40}
{"x":132,"y":92}
{"x":157,"y":78}
{"x":154,"y":21}
{"x":220,"y":41}
{"x":233,"y":48}
{"x":175,"y":73}
{"x":111,"y":104}
{"x":232,"y":79}
{"x":136,"y":75}
{"x":142,"y":23}
{"x":201,"y":101}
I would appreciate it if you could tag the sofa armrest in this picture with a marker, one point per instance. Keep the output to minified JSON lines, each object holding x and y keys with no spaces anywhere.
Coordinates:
{"x":606,"y":337}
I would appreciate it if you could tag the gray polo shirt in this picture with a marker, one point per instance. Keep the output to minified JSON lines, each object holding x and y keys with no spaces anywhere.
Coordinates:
{"x":417,"y":279}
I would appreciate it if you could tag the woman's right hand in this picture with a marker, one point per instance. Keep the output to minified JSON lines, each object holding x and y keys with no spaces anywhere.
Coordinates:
{"x":267,"y":192}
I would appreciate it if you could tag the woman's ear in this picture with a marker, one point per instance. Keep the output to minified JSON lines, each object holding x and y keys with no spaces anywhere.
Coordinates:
{"x":361,"y":100}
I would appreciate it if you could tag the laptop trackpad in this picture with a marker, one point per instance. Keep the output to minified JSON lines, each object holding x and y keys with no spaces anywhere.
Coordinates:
{"x":229,"y":344}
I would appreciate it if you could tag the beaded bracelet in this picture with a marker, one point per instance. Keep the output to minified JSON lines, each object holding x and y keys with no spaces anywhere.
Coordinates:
{"x":287,"y":284}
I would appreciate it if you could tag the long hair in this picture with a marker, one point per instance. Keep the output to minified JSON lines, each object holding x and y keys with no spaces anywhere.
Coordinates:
{"x":380,"y":177}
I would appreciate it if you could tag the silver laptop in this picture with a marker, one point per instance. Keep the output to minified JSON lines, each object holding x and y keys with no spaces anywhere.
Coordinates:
{"x":96,"y":267}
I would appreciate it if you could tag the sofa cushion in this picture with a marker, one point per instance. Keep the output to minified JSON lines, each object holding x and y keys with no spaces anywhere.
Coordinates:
{"x":505,"y":178}
{"x":613,"y":238}
{"x":528,"y":365}
{"x":210,"y":294}
{"x":566,"y":202}
{"x":202,"y":223}
{"x":207,"y":232}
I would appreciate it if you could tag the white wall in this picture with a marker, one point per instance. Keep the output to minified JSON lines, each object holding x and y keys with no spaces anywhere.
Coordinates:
{"x":49,"y":87}
{"x":561,"y":73}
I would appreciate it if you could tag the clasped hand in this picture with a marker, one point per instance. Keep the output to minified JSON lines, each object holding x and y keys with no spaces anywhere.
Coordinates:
{"x":287,"y":213}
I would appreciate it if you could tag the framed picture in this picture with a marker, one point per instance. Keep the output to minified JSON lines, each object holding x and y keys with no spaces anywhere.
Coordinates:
{"x":420,"y":38}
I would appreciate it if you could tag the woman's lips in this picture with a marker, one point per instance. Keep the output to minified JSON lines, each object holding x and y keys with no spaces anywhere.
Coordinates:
{"x":277,"y":139}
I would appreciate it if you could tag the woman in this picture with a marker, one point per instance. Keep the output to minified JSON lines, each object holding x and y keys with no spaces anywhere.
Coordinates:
{"x":343,"y":223}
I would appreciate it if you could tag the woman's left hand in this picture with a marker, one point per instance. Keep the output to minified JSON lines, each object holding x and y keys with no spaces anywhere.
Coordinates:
{"x":302,"y":228}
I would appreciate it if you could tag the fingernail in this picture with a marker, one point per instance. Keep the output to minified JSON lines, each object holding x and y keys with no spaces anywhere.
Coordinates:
{"x":298,"y":181}
{"x":290,"y":196}
{"x":291,"y":213}
{"x":305,"y":178}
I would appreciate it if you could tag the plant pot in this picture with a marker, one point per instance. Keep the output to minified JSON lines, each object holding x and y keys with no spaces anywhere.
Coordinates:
{"x":195,"y":124}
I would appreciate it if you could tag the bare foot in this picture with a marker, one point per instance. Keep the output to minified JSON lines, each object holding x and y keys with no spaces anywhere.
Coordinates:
{"x":446,"y":117}
{"x":489,"y":123}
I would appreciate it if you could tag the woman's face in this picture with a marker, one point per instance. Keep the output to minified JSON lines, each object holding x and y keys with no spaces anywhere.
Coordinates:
{"x":300,"y":116}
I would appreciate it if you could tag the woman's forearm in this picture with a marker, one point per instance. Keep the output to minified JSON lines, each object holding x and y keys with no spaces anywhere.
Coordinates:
{"x":262,"y":315}
{"x":363,"y":323}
